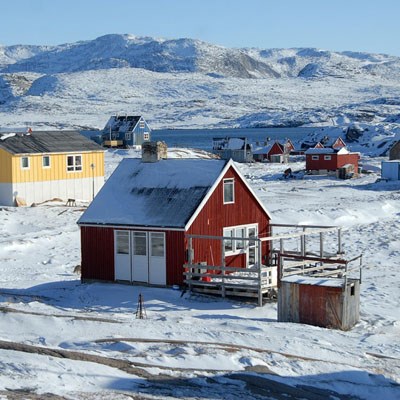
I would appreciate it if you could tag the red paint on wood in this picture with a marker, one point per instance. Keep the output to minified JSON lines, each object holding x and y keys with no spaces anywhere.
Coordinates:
{"x":97,"y":250}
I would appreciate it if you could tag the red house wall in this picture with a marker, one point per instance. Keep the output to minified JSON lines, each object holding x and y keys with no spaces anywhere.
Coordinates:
{"x":337,"y":161}
{"x":97,"y":250}
{"x":215,"y":216}
{"x":275,"y":149}
{"x":97,"y":243}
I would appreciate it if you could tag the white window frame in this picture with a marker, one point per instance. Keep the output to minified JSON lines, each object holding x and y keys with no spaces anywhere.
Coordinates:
{"x":43,"y":158}
{"x":75,"y":167}
{"x":237,"y":246}
{"x":146,"y":135}
{"x":230,"y":182}
{"x":315,"y":158}
{"x":328,"y":158}
{"x":27,"y":161}
{"x":118,"y":242}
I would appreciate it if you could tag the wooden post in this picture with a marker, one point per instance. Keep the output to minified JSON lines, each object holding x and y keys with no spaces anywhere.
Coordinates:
{"x":339,"y":241}
{"x":260,"y":294}
{"x":321,"y":244}
{"x":190,"y":260}
{"x":223,"y":267}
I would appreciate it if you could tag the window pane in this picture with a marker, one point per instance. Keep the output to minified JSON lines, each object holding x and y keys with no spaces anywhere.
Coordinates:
{"x":46,"y":161}
{"x":25,"y":162}
{"x":228,"y":191}
{"x":122,"y":242}
{"x":252,"y":234}
{"x":239,"y":243}
{"x":140,"y":244}
{"x":157,"y":244}
{"x":78,"y":163}
{"x":228,"y":243}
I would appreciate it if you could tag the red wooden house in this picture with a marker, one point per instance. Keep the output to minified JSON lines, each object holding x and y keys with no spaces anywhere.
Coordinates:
{"x":328,"y":159}
{"x":274,"y":152}
{"x":135,"y":229}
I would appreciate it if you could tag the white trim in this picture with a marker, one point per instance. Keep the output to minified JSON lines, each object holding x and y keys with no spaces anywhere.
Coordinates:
{"x":74,"y":166}
{"x":134,"y":227}
{"x":327,"y":157}
{"x":232,"y":182}
{"x":228,"y":165}
{"x":314,"y":157}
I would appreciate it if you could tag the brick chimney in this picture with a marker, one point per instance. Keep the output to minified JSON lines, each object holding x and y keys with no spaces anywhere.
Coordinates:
{"x":154,"y":151}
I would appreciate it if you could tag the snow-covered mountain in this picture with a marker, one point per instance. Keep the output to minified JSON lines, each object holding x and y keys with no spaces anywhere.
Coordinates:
{"x":188,"y":83}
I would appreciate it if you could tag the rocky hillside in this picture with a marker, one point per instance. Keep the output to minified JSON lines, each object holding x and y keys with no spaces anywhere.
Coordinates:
{"x":189,"y":83}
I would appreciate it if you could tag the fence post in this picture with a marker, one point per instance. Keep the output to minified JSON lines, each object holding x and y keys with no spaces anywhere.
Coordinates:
{"x":259,"y":256}
{"x":321,"y":244}
{"x":223,"y":267}
{"x":190,"y":260}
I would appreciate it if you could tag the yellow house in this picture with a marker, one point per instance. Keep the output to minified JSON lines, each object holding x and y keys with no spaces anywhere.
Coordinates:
{"x":40,"y":166}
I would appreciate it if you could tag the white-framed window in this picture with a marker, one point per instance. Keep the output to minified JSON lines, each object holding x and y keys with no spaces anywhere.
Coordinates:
{"x":46,"y":161}
{"x":122,"y":242}
{"x":229,"y":191}
{"x":146,"y":136}
{"x":141,"y":124}
{"x":237,"y":245}
{"x":74,"y":163}
{"x":315,"y":158}
{"x":327,"y":158}
{"x":25,"y":162}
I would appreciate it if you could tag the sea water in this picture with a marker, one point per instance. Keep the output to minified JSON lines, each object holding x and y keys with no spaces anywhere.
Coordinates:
{"x":203,"y":138}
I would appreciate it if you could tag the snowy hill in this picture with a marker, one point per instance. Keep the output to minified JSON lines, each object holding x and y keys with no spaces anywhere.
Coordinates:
{"x":187,"y":83}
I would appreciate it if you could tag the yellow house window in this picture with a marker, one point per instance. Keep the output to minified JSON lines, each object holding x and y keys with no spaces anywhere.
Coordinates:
{"x":74,"y":163}
{"x":24,"y":162}
{"x":46,"y":161}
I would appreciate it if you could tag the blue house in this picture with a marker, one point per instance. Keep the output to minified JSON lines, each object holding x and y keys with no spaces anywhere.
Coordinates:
{"x":126,"y":131}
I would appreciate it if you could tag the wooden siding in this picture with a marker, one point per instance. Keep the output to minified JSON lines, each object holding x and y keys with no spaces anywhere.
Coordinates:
{"x":58,"y":167}
{"x":215,"y":216}
{"x":325,"y":306}
{"x":5,"y":167}
{"x":275,"y":149}
{"x":97,"y":250}
{"x":97,"y":244}
{"x":336,"y":161}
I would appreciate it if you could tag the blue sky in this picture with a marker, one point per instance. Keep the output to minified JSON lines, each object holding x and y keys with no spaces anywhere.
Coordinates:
{"x":356,"y":25}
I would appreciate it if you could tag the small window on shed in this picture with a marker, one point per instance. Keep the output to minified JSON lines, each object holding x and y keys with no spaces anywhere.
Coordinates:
{"x":352,"y":290}
{"x":229,"y":191}
{"x":327,"y":158}
{"x":146,"y":136}
{"x":25,"y":162}
{"x":315,"y":158}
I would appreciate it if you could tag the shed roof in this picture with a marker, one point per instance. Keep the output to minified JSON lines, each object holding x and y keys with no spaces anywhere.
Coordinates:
{"x":161,"y":194}
{"x":315,"y":281}
{"x":47,"y":142}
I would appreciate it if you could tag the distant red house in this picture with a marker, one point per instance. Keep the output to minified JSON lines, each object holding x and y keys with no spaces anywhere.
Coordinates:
{"x":328,"y":159}
{"x":134,"y":230}
{"x":275,"y":152}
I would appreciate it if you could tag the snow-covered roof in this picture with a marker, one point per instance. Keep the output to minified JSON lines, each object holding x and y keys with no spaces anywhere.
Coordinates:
{"x":161,"y":194}
{"x":263,"y":149}
{"x":320,"y":150}
{"x":309,"y":280}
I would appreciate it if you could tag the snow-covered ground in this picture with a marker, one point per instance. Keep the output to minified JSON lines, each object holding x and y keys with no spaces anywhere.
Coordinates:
{"x":82,"y":341}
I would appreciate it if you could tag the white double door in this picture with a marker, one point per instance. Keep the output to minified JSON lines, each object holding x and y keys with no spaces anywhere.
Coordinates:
{"x":140,"y":257}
